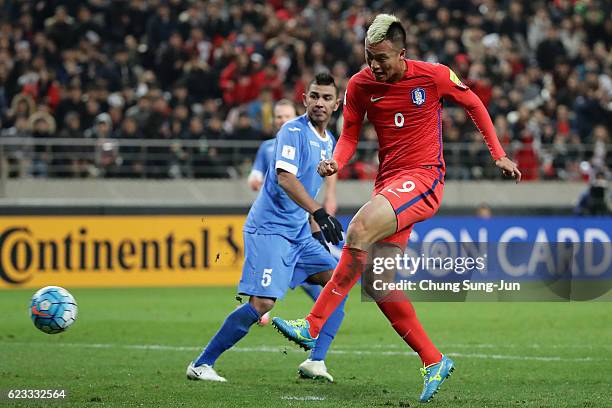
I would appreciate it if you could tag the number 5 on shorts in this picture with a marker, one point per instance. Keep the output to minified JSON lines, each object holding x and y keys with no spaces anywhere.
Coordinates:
{"x":266,"y":280}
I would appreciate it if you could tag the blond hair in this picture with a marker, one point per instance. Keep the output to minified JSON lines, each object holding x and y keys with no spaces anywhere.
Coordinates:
{"x":380,"y":27}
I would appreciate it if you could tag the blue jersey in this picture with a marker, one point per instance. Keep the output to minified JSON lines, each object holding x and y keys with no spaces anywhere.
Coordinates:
{"x":264,"y":156}
{"x":298,"y":149}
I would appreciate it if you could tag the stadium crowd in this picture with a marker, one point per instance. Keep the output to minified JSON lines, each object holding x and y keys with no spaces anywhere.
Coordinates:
{"x":198,"y":72}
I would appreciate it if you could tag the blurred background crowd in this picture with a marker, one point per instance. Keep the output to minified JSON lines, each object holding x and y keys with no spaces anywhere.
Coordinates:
{"x":185,"y":88}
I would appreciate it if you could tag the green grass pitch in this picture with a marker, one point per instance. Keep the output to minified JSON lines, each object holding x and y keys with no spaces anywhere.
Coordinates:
{"x":130,"y":348}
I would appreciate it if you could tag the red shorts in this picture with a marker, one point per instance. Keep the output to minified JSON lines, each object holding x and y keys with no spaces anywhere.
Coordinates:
{"x":415,"y":196}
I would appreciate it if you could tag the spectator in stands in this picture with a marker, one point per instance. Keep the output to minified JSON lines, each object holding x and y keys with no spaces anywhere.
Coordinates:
{"x":160,"y":26}
{"x":18,"y":156}
{"x":244,"y":129}
{"x":239,"y":79}
{"x":67,"y":158}
{"x":120,"y":71}
{"x":43,"y":128}
{"x":261,"y":112}
{"x":21,"y":105}
{"x":133,"y":156}
{"x":71,"y":100}
{"x":60,"y":28}
{"x":170,"y":60}
{"x":527,"y":158}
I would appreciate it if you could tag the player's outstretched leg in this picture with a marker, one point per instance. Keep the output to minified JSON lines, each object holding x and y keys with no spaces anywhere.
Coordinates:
{"x":305,"y":332}
{"x":433,"y":377}
{"x":374,"y":221}
{"x":234,"y":328}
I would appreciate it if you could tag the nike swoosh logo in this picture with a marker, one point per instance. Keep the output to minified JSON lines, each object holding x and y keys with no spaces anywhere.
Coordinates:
{"x":39,"y":313}
{"x":373,"y":99}
{"x":335,"y":292}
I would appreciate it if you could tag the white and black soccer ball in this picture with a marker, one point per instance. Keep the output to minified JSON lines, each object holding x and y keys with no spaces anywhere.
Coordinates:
{"x":53,"y":309}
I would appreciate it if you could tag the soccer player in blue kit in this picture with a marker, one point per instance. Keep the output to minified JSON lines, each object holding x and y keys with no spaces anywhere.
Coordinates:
{"x":283,"y":111}
{"x":280,"y":252}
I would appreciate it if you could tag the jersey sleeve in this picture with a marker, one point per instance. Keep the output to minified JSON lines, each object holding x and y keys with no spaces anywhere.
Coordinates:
{"x":288,"y":149}
{"x":450,"y":86}
{"x":353,"y":113}
{"x":259,"y":165}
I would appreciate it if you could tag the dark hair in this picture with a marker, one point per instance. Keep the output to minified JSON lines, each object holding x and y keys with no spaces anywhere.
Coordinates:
{"x":323,"y":78}
{"x":397,"y":35}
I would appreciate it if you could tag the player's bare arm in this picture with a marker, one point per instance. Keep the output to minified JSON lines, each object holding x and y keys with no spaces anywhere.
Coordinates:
{"x":296,"y":191}
{"x":330,"y":227}
{"x":329,"y":202}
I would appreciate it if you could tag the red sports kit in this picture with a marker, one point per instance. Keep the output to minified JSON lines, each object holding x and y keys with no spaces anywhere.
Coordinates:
{"x":407,"y":116}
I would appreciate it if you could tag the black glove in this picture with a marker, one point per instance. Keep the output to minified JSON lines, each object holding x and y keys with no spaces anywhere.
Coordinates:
{"x":319,"y":237}
{"x":330,"y":227}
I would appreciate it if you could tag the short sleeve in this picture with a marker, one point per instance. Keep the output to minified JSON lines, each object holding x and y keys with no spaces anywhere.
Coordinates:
{"x":288,"y":149}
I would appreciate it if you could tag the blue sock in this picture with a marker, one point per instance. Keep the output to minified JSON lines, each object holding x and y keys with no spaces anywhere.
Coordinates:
{"x":235,"y":327}
{"x":311,"y":290}
{"x":328,"y":332}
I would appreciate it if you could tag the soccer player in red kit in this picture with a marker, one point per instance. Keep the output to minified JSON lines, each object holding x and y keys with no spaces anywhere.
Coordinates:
{"x":403,"y":100}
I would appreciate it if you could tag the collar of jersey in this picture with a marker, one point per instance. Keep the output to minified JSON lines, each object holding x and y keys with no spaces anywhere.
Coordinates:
{"x":409,"y":68}
{"x":311,"y":126}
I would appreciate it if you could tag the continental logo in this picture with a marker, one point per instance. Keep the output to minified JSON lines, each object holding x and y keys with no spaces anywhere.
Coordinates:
{"x":24,"y":255}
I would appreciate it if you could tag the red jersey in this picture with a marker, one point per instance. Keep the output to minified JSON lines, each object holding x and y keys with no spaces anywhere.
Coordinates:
{"x":407,"y":116}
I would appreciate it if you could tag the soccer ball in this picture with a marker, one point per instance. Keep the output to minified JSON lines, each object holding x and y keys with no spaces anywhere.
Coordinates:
{"x":53,"y":309}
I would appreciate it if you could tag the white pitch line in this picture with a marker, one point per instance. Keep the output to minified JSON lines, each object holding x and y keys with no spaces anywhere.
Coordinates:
{"x":306,"y":398}
{"x":266,"y":349}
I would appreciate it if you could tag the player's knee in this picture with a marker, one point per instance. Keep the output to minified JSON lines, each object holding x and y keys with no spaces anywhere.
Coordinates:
{"x":262,"y":305}
{"x":357,"y":234}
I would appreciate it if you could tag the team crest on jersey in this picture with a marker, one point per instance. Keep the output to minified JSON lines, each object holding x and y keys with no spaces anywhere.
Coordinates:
{"x":418,"y":96}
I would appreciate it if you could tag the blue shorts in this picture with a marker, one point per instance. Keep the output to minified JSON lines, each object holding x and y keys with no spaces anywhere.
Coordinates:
{"x":273,"y":264}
